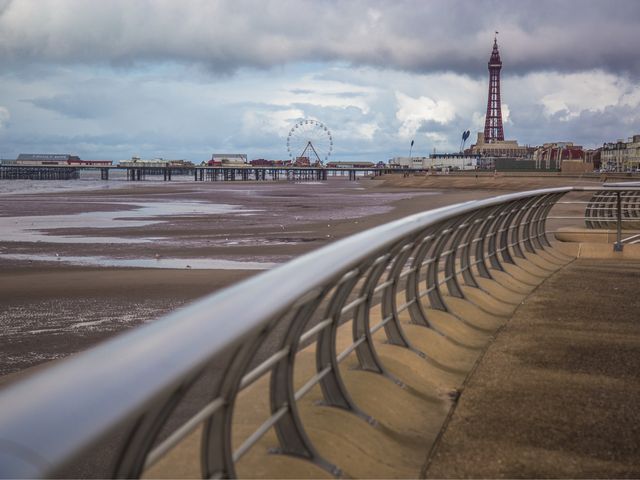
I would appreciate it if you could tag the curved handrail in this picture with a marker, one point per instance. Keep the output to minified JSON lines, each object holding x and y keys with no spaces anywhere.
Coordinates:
{"x":50,"y":419}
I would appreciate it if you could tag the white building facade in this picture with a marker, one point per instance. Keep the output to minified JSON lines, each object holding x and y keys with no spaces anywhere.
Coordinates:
{"x":621,"y":156}
{"x":437,"y":161}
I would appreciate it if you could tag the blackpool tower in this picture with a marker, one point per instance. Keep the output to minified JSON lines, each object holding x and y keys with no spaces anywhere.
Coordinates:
{"x":493,"y":121}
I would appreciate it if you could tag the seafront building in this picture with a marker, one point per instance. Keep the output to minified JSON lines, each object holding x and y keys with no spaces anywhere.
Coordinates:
{"x":454,"y":161}
{"x":438,"y":161}
{"x":500,"y":148}
{"x":409,"y":162}
{"x":559,"y":156}
{"x":621,"y":156}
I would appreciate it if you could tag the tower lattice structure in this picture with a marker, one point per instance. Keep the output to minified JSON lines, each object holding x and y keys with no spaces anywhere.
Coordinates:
{"x":493,"y":130}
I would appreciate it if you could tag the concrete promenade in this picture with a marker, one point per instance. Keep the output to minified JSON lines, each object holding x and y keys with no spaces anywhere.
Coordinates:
{"x":557,"y":394}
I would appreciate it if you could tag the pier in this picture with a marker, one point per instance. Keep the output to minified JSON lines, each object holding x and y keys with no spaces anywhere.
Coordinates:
{"x":199,"y":174}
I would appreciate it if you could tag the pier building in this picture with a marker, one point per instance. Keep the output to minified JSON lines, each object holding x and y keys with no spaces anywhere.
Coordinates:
{"x":336,"y":164}
{"x":48,"y":159}
{"x":155,"y":163}
{"x":227,"y":159}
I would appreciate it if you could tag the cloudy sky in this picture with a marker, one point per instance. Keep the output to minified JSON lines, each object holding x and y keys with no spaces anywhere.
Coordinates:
{"x":182,"y":79}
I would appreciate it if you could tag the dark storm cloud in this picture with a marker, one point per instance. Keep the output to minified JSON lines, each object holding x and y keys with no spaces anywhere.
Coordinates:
{"x":431,"y":126}
{"x":301,"y":91}
{"x":418,"y":36}
{"x":588,"y":128}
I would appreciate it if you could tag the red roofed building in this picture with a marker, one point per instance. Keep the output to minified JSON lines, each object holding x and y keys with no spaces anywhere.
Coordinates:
{"x":552,"y":155}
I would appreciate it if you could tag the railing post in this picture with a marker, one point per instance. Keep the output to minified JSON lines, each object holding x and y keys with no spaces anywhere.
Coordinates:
{"x":393,"y":329}
{"x":334,"y":391}
{"x":618,"y":246}
{"x":366,"y":352}
{"x":291,"y":434}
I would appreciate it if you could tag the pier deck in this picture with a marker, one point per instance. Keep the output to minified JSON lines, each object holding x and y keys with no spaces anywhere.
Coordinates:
{"x":198,"y":173}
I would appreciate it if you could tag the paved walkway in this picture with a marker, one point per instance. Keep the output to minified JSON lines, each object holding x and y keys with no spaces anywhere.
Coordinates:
{"x":558,"y":392}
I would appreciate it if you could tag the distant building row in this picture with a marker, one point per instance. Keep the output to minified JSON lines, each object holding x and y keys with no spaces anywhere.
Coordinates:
{"x":551,"y":156}
{"x":616,"y":156}
{"x":619,"y":156}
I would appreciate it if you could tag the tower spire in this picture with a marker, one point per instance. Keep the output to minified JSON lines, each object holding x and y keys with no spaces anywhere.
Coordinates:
{"x":493,"y":130}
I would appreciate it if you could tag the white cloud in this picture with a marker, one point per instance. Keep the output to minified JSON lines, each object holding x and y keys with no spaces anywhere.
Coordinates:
{"x":413,"y":112}
{"x":576,"y":92}
{"x":276,"y":123}
{"x":477,"y":121}
{"x":506,"y":113}
{"x":323,"y":93}
{"x":367,"y":130}
{"x":437,"y":138}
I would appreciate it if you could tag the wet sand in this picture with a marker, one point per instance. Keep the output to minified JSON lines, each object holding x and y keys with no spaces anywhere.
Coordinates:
{"x":50,"y":309}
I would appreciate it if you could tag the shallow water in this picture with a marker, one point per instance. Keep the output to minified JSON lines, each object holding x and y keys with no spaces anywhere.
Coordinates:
{"x":172,"y":263}
{"x":34,"y":228}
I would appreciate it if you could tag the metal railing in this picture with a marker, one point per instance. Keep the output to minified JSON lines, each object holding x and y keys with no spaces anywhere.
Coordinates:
{"x":117,"y":402}
{"x":614,"y":206}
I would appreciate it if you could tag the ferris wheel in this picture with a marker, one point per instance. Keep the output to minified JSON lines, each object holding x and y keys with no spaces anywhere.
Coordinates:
{"x":310,"y":139}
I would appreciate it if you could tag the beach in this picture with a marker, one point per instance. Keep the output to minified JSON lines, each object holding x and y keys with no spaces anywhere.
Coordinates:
{"x":80,"y":263}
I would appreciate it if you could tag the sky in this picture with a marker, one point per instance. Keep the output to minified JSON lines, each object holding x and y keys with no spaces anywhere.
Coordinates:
{"x":112,"y":79}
